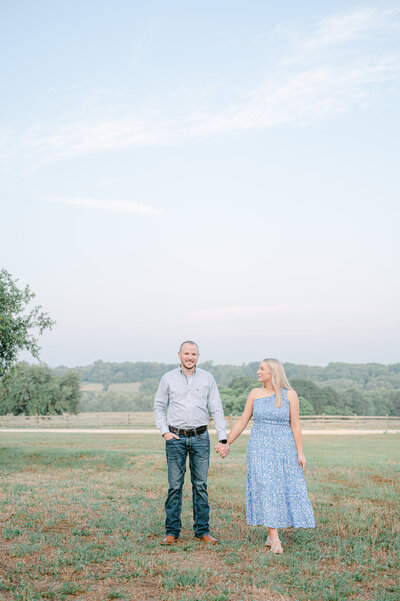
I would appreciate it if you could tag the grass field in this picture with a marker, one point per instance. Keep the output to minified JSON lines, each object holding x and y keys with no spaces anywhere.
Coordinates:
{"x":81,"y":518}
{"x":117,"y":387}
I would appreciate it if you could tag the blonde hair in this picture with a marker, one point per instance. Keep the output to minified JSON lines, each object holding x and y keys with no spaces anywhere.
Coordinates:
{"x":279,"y":379}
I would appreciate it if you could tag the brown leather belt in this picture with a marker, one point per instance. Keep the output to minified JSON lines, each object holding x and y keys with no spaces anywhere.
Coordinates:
{"x":189,"y":432}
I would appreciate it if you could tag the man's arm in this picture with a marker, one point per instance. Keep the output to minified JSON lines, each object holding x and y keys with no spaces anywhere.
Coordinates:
{"x":216,"y":410}
{"x":160,"y":406}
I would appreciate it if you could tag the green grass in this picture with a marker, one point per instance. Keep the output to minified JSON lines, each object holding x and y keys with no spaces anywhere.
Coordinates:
{"x":117,"y":387}
{"x":81,"y":517}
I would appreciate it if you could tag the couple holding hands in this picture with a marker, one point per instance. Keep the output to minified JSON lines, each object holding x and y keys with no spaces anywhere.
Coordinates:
{"x":276,"y":494}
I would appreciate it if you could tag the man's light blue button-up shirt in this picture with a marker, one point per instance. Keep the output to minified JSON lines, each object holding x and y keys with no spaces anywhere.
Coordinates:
{"x":186,"y":402}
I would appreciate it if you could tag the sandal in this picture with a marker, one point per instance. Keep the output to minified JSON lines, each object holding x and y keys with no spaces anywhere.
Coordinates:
{"x":268,"y":542}
{"x":276,"y":546}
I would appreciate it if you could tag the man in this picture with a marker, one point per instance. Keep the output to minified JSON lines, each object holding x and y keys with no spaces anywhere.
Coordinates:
{"x":189,"y":394}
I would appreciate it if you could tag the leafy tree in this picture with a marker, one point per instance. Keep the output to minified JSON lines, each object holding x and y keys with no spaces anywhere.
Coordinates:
{"x":306,"y":408}
{"x":70,"y":391}
{"x":146,"y":394}
{"x":18,"y":323}
{"x":34,"y":389}
{"x":243,"y":384}
{"x":358,"y":402}
{"x":232,"y":402}
{"x":148,"y":387}
{"x":393,"y":403}
{"x":319,"y":397}
{"x":111,"y":400}
{"x":328,"y":410}
{"x":106,"y":381}
{"x":234,"y":397}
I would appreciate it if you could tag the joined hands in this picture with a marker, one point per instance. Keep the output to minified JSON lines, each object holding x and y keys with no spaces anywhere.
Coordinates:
{"x":222,"y":449}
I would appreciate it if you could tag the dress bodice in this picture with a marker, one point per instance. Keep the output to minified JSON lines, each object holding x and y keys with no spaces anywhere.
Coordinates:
{"x":265,"y":411}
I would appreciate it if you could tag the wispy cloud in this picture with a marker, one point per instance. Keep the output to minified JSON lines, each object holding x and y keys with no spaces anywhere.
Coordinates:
{"x":312,"y":80}
{"x":348,"y":26}
{"x":119,"y":206}
{"x":82,"y":137}
{"x":300,"y":98}
{"x":305,"y":96}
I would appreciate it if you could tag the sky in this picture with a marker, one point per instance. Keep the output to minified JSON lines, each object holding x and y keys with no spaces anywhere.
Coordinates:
{"x":226,"y":172}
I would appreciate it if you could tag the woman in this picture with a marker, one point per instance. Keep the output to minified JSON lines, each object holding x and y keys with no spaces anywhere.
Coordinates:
{"x":276,"y":493}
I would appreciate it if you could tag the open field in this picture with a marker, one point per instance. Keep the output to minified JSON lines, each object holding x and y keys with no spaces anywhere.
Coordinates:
{"x":82,"y":517}
{"x":145,"y":419}
{"x":117,"y":387}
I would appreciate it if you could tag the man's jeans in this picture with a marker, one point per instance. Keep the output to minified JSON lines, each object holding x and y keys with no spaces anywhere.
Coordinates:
{"x":198,"y":449}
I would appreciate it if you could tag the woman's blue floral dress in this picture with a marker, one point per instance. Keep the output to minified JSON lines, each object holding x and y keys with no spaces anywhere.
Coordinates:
{"x":276,"y":493}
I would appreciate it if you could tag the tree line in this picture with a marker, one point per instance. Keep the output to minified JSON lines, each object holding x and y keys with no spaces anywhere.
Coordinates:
{"x":340,"y":376}
{"x":36,"y":389}
{"x":30,"y":389}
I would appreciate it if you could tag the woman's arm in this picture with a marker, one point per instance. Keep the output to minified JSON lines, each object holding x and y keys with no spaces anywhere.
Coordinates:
{"x":240,"y":424}
{"x":295,"y":425}
{"x":243,"y":419}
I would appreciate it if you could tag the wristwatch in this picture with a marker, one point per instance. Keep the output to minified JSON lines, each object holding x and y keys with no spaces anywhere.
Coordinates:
{"x":224,"y":441}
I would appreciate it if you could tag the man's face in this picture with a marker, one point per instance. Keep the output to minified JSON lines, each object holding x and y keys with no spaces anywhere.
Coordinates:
{"x":189,"y":355}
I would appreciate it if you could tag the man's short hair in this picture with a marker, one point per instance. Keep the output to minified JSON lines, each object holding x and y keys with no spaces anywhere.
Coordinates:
{"x":189,"y":342}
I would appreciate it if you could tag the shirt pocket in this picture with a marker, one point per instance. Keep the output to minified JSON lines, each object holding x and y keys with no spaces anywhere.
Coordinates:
{"x":201,"y":394}
{"x":204,"y":391}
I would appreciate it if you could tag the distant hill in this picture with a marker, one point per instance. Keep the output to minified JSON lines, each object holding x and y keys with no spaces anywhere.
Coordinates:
{"x":340,"y":376}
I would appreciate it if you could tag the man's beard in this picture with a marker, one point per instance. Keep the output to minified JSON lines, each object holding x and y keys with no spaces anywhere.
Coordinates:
{"x":191,"y":366}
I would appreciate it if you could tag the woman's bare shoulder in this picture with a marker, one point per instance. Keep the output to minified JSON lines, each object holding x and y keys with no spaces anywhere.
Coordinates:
{"x":292,"y":395}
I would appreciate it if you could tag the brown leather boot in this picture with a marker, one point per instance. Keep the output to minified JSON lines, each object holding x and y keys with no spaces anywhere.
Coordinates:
{"x":169,"y":540}
{"x":207,"y":538}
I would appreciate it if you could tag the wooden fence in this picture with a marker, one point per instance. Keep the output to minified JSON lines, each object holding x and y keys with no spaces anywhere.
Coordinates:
{"x":144,"y":419}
